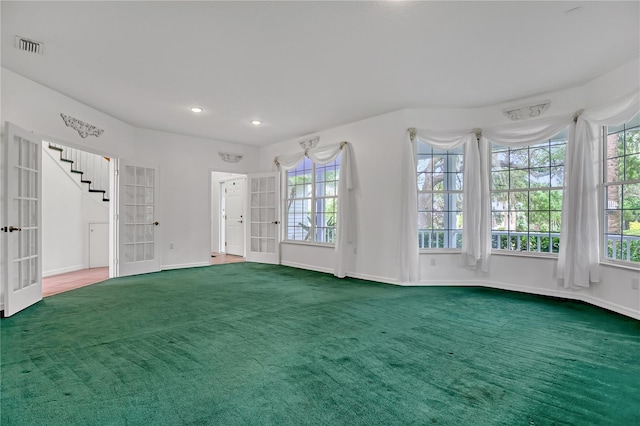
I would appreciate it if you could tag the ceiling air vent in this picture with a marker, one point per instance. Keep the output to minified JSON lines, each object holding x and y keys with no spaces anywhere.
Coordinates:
{"x":30,"y":46}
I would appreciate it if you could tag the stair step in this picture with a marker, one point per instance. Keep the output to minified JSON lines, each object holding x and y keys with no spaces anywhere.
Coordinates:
{"x":55,"y":148}
{"x":85,"y":181}
{"x":98,"y":190}
{"x":77,"y":171}
{"x":105,"y":199}
{"x":65,"y":160}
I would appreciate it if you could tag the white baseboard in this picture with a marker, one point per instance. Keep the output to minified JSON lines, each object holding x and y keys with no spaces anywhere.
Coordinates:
{"x":559,"y":293}
{"x":308,"y":267}
{"x":622,"y":310}
{"x":384,"y":280}
{"x":184,"y":265}
{"x":62,"y":270}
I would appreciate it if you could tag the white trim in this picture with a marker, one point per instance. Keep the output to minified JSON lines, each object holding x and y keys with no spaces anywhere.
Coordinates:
{"x":561,"y":294}
{"x":525,"y":253}
{"x":308,"y":267}
{"x":62,"y":270}
{"x":309,"y":243}
{"x":383,"y":280}
{"x":622,"y":310}
{"x":622,"y":264}
{"x":184,"y":265}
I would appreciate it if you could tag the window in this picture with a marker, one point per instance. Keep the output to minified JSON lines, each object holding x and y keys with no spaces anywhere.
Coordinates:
{"x":312,"y":202}
{"x":439,"y":197}
{"x":526,"y":196}
{"x":622,"y":192}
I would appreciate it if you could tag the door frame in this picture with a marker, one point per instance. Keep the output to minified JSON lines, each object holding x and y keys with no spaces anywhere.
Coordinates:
{"x":216,"y":212}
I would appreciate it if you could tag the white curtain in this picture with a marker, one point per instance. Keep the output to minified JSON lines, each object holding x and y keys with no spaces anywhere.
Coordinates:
{"x":471,"y":212}
{"x":408,"y":251}
{"x":345,"y":225}
{"x":578,"y":260}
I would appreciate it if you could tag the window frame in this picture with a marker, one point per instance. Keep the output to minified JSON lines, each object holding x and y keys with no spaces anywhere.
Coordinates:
{"x":551,"y":253}
{"x":450,"y":196}
{"x":313,"y":199}
{"x":604,"y":184}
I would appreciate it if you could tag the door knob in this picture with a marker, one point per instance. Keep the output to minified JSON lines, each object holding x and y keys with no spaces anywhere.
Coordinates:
{"x":240,"y":221}
{"x":13,"y":228}
{"x":156,"y":223}
{"x":276,"y":222}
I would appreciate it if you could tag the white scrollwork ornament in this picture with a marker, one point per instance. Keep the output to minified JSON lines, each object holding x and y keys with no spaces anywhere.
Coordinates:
{"x":308,"y":144}
{"x":83,"y":128}
{"x":529,"y":111}
{"x":230,"y":158}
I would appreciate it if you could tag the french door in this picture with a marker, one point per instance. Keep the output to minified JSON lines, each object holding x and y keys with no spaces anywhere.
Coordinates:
{"x":263,"y":236}
{"x":138,"y":221}
{"x":22,"y":231}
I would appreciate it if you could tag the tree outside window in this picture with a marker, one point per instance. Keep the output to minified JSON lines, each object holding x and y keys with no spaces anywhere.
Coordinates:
{"x":526,"y":196}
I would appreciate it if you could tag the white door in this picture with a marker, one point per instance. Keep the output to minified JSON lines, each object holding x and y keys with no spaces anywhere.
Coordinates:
{"x":138,"y":221}
{"x":263,"y":240}
{"x":22,"y":231}
{"x":98,"y":245}
{"x":234,"y":195}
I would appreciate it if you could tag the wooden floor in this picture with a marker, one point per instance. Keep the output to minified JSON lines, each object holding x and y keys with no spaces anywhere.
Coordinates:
{"x":221,"y":258}
{"x":72,"y":280}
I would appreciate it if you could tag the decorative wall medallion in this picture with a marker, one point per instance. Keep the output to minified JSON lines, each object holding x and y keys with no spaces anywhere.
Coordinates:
{"x":83,"y":128}
{"x":230,"y":158}
{"x":308,"y":144}
{"x":529,"y":111}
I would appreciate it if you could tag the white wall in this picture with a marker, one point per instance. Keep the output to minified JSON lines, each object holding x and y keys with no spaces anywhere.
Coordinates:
{"x":376,"y":145}
{"x":185,"y":190}
{"x":67,"y":209}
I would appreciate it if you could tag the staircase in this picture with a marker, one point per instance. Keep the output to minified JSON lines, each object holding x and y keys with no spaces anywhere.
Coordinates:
{"x":93,"y":169}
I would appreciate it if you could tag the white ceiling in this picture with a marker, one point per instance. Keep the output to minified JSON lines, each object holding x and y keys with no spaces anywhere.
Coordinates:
{"x":301,"y":67}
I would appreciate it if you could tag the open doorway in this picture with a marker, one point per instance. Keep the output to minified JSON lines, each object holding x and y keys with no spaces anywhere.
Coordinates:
{"x":76,"y":199}
{"x":228,"y":217}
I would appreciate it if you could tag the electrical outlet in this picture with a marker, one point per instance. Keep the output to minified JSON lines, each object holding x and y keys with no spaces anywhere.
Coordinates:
{"x":171,"y":246}
{"x":433,"y":261}
{"x":634,"y":283}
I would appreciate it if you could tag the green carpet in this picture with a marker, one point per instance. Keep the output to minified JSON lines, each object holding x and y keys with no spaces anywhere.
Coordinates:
{"x":261,"y":344}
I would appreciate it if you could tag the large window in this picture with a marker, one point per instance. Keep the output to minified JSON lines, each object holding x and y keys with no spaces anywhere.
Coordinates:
{"x":622,"y":192}
{"x":312,"y":202}
{"x":439,"y":197}
{"x":526,"y":196}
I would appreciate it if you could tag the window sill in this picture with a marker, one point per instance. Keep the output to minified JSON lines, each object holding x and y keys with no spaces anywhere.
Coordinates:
{"x":440,"y":251}
{"x":308,"y":243}
{"x":539,"y":255}
{"x":621,"y":264}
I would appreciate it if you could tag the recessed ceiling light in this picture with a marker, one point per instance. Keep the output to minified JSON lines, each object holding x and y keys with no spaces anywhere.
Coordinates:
{"x":196,"y":109}
{"x":256,"y":122}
